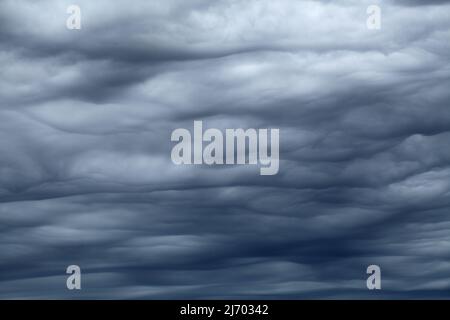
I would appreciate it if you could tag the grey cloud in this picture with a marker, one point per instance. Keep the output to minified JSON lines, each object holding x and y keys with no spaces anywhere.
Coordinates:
{"x":86,"y":176}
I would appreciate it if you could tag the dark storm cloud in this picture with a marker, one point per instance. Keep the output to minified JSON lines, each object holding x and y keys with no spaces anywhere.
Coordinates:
{"x":86,"y":176}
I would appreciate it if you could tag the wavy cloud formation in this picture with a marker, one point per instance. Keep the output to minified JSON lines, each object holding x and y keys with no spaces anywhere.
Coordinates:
{"x":86,"y":176}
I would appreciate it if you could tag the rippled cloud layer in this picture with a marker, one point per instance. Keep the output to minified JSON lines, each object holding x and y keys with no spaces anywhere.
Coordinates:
{"x":86,"y":176}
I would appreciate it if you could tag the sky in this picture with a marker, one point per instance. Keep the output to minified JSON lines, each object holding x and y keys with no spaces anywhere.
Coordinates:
{"x":86,"y":176}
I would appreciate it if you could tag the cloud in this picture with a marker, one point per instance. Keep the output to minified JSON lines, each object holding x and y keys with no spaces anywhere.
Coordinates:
{"x":86,"y":176}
